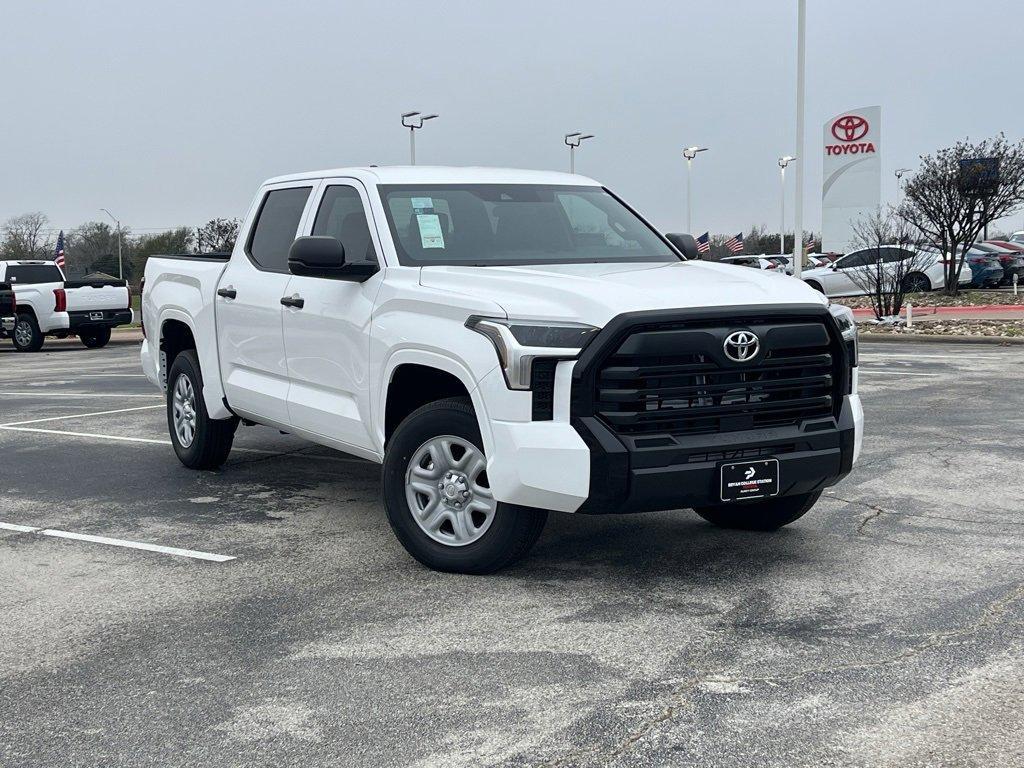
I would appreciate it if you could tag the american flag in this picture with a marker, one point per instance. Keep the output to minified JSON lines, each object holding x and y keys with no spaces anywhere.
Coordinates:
{"x":704,"y":243}
{"x":735,"y":244}
{"x":58,"y":254}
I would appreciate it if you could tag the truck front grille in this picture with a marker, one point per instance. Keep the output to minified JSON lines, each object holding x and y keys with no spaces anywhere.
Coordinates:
{"x":675,"y":379}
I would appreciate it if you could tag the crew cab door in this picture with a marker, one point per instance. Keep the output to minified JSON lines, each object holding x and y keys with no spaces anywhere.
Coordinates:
{"x":250,"y":339}
{"x":327,"y":338}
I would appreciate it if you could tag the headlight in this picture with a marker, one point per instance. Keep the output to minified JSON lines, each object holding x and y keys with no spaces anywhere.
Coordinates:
{"x":520,"y":342}
{"x":848,"y":327}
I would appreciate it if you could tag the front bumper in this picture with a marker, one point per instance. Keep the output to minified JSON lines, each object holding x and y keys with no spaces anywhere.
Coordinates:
{"x":99,"y":318}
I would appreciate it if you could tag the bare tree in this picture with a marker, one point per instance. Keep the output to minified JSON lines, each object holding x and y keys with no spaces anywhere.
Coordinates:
{"x":893,"y":264}
{"x":26,"y":237}
{"x":936,"y":205}
{"x":217,"y":236}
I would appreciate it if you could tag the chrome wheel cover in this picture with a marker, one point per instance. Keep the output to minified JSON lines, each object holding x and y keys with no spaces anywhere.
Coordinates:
{"x":183,"y":407}
{"x":447,"y":491}
{"x":23,"y":333}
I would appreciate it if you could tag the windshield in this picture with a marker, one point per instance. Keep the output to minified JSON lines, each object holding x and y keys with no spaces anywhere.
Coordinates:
{"x":23,"y":274}
{"x":509,"y":224}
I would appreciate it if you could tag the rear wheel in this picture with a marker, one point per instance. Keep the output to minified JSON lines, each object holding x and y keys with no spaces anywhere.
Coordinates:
{"x":438,"y":498}
{"x":26,"y":336}
{"x":96,"y":338}
{"x":767,"y":515}
{"x":199,"y":441}
{"x":916,"y":282}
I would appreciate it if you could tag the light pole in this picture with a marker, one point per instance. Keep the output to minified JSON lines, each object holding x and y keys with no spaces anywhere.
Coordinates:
{"x":783,"y":162}
{"x":120,"y":268}
{"x":573,"y":140}
{"x":689,"y":153}
{"x":798,"y":219}
{"x":899,"y":182}
{"x":414,"y":121}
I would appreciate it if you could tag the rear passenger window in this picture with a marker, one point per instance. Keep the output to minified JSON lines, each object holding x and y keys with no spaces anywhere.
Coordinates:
{"x":341,"y":215}
{"x":276,"y":227}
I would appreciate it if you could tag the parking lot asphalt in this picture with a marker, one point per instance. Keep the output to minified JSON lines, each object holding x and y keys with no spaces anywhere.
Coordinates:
{"x":885,"y":628}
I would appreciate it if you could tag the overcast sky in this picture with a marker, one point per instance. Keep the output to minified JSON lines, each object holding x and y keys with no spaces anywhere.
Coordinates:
{"x":172,"y":113}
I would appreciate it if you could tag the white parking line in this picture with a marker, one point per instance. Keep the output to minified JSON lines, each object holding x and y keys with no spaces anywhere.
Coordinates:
{"x":895,"y":373}
{"x":151,"y":441}
{"x":194,"y":554}
{"x":18,"y":528}
{"x":76,"y":394}
{"x":81,"y":415}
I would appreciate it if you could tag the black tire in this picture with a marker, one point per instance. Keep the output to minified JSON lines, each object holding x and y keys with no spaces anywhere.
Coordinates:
{"x":768,"y":515}
{"x":815,"y":285}
{"x":28,"y":329}
{"x":95,"y":339}
{"x":916,"y":282}
{"x":513,"y":529}
{"x":212,"y":438}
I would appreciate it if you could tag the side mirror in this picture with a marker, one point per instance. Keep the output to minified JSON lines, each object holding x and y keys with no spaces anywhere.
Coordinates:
{"x":319,"y":256}
{"x":684,"y":243}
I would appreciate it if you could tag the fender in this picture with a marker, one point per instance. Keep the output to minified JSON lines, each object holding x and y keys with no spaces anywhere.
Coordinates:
{"x":432,"y":360}
{"x":209,"y":363}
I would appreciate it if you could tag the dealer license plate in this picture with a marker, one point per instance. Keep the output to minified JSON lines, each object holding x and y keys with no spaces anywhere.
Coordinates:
{"x":750,"y":480}
{"x":95,"y":315}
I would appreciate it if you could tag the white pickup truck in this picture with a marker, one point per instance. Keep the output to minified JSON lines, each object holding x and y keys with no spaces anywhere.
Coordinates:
{"x":49,"y":305}
{"x":505,"y":343}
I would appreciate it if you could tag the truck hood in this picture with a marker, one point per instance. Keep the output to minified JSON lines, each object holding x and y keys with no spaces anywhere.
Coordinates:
{"x":595,"y":293}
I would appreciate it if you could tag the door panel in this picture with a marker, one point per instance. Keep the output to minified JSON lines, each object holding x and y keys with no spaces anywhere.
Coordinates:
{"x":250,"y":337}
{"x":327,"y":341}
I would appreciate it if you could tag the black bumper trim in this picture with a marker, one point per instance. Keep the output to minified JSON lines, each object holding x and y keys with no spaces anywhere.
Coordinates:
{"x":111,"y":318}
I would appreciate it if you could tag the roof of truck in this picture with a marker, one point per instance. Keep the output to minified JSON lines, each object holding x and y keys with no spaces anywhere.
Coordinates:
{"x":441,"y":174}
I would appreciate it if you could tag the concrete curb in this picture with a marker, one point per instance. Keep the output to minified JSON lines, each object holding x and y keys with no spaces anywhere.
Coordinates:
{"x":976,"y":309}
{"x":895,"y":338}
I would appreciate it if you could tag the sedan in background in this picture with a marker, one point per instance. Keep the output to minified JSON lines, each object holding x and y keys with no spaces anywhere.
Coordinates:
{"x":848,"y":275}
{"x":1011,"y":257}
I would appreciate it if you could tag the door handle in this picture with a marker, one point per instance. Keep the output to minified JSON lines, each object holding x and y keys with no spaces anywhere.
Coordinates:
{"x":227,"y":293}
{"x":295,"y":301}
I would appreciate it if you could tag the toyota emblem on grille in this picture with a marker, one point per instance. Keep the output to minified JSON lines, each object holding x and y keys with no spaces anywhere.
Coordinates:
{"x":741,"y":346}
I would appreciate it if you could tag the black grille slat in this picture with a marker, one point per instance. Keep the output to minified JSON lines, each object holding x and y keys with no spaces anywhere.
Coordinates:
{"x":677,"y":381}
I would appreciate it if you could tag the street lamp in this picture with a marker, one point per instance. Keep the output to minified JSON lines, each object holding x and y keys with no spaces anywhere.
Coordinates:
{"x":783,"y":162}
{"x":798,"y":222}
{"x":689,"y":153}
{"x":899,"y":182}
{"x":120,"y":268}
{"x":414,"y":121}
{"x":573,"y":140}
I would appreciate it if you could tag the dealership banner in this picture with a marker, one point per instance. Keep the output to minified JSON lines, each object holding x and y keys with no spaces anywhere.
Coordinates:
{"x":852,"y":178}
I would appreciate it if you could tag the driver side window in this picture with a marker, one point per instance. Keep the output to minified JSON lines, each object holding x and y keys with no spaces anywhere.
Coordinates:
{"x":855,"y":259}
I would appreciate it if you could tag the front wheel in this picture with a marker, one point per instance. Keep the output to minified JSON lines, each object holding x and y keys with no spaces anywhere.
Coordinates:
{"x":767,"y":515}
{"x":199,"y":441}
{"x":95,"y":339}
{"x":438,"y":497}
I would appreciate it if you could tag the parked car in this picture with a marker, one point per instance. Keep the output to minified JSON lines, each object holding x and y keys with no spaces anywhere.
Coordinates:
{"x":49,"y":305}
{"x":786,"y":262}
{"x":1017,"y":237}
{"x":986,"y":271}
{"x":505,"y":343}
{"x":757,"y":262}
{"x":848,"y":275}
{"x":8,"y":310}
{"x":1011,"y":259}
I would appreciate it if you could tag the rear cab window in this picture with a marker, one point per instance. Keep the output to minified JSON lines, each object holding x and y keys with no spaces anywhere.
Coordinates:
{"x":275,"y":228}
{"x":28,"y":274}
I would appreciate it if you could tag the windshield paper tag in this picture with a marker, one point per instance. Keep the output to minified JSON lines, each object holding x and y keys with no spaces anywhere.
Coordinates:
{"x":420,"y":204}
{"x":430,"y":230}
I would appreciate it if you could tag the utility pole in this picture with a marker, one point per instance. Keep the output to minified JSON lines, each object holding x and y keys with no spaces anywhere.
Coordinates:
{"x":120,"y":266}
{"x":689,"y":153}
{"x":783,"y":162}
{"x":798,"y":223}
{"x":573,"y":140}
{"x":414,"y":121}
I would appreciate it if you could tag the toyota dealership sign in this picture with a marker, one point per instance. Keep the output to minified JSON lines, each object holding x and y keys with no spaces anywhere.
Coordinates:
{"x":852,"y":178}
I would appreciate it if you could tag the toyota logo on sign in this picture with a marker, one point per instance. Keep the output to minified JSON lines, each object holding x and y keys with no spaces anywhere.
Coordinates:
{"x":850,"y":128}
{"x":741,"y":346}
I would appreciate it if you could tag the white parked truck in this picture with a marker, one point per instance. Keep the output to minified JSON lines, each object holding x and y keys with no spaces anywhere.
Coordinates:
{"x":49,"y":305}
{"x":504,"y":343}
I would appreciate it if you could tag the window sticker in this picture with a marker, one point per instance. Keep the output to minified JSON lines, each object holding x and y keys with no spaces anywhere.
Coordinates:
{"x":420,"y":204}
{"x":430,"y":230}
